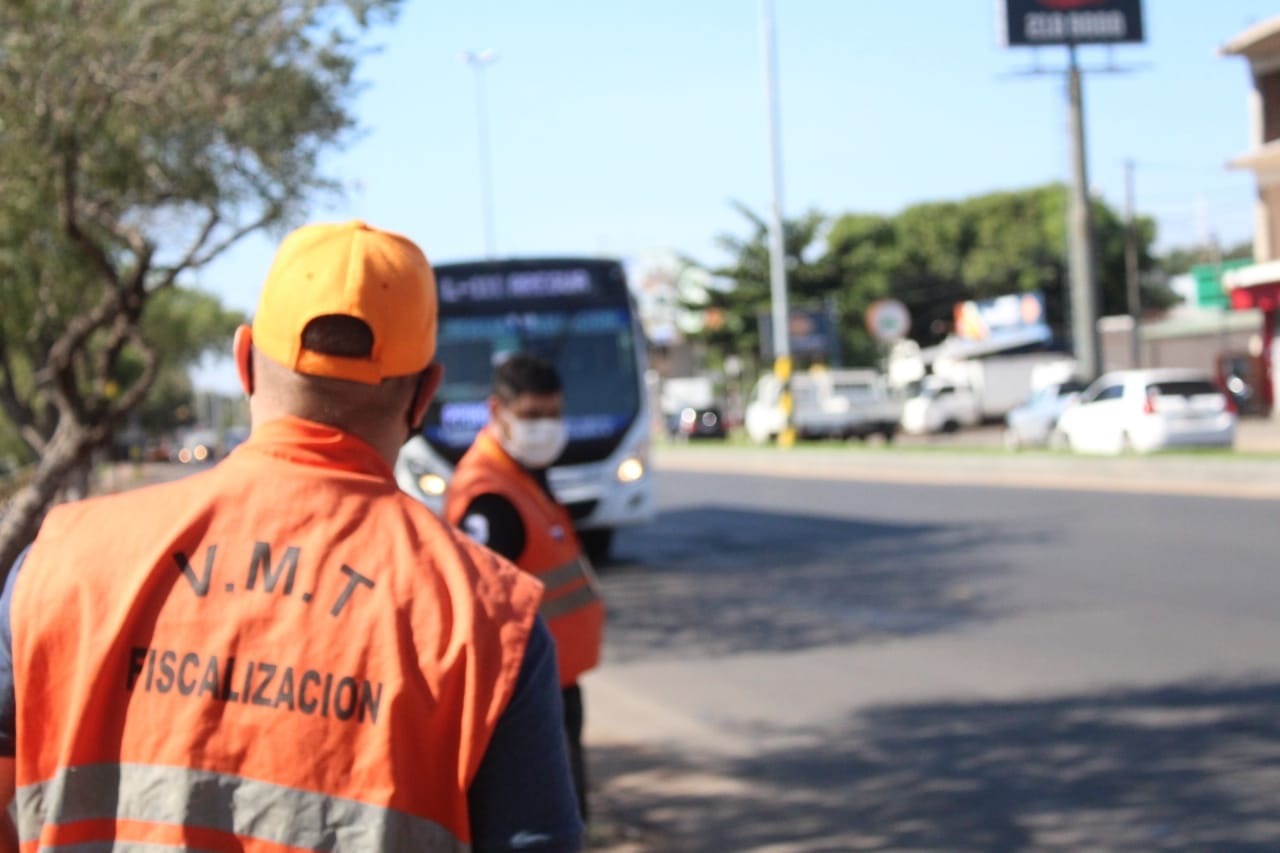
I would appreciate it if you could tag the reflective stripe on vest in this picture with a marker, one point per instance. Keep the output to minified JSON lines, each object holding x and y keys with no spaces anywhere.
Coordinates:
{"x":246,"y":808}
{"x":559,"y":598}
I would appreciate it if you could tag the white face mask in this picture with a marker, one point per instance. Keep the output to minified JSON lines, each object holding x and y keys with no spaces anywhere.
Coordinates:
{"x":536,"y":442}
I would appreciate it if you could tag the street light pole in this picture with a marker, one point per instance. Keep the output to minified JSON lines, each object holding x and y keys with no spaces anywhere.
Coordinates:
{"x":777,"y":259}
{"x":478,"y":60}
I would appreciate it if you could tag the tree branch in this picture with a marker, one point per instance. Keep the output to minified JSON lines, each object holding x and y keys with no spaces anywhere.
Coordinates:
{"x":121,"y":331}
{"x":71,"y":223}
{"x":271,"y":214}
{"x":34,"y":440}
{"x":195,"y":258}
{"x":132,"y":396}
{"x":79,"y":329}
{"x":170,"y":274}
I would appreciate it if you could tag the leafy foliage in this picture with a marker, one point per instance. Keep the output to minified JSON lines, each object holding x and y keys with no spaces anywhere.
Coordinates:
{"x":929,"y":256}
{"x":1181,"y":259}
{"x":142,"y":138}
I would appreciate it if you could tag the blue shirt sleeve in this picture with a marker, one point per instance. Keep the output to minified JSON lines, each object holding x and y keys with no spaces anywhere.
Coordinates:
{"x":8,"y":701}
{"x":522,"y":796}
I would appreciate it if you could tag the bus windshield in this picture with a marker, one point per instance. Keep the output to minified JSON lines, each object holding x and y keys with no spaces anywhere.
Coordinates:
{"x":589,"y":336}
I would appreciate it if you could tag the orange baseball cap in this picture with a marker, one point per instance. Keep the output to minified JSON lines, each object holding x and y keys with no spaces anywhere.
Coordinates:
{"x":356,"y":270}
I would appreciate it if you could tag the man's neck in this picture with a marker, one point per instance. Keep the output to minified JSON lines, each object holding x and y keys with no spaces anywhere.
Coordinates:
{"x":386,"y":440}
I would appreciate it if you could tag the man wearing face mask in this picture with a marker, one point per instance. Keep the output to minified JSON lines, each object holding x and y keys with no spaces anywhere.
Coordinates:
{"x":500,"y":497}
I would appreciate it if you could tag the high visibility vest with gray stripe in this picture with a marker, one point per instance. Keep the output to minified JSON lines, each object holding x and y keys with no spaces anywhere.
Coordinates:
{"x":571,"y":603}
{"x":284,"y":651}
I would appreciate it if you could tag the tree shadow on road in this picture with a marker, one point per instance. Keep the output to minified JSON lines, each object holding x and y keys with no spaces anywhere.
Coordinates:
{"x":1193,"y":766}
{"x":714,"y":580}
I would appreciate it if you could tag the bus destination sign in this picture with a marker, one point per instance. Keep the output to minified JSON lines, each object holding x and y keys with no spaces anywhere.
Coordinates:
{"x":513,"y":285}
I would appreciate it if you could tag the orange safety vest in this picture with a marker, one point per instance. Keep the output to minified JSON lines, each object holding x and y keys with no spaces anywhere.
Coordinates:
{"x":552,"y":552}
{"x":281,"y":653}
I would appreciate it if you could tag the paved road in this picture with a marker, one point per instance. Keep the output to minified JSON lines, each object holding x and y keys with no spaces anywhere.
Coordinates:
{"x":808,"y":663}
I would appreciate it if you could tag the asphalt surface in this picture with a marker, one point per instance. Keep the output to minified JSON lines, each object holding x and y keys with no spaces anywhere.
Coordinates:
{"x":812,"y":650}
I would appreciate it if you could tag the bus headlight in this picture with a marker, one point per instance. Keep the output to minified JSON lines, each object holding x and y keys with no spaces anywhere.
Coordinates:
{"x":630,"y":470}
{"x":431,"y":484}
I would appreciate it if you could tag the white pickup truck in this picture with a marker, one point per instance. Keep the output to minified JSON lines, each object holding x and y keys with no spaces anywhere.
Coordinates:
{"x":825,"y":404}
{"x":941,"y":405}
{"x":966,"y":392}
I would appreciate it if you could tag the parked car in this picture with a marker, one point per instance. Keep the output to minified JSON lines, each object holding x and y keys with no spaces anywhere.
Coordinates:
{"x":1148,"y":410}
{"x":1031,"y":424}
{"x":940,"y":406}
{"x":825,"y":403}
{"x":697,"y":422}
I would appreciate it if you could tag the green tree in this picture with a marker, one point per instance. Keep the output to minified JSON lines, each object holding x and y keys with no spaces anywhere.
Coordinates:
{"x":141,"y":139}
{"x":732,"y":316}
{"x":182,"y":325}
{"x":1180,"y":259}
{"x":929,"y":256}
{"x":864,"y":251}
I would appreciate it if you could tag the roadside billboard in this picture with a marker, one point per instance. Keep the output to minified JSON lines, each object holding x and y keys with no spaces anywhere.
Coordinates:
{"x":812,"y":334}
{"x":1033,"y":23}
{"x":1016,"y":318}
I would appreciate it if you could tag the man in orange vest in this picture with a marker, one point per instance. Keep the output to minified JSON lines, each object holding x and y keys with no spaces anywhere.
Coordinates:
{"x":500,"y":497}
{"x":285,"y":652}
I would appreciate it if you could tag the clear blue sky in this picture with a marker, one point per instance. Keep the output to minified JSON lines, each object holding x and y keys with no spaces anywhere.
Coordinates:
{"x":626,"y":127}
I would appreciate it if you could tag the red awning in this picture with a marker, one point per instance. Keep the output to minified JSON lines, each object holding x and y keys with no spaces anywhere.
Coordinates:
{"x":1254,"y":286}
{"x":1265,"y":297}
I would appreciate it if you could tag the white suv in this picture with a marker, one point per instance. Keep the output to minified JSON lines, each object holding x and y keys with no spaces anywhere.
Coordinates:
{"x":1148,"y":410}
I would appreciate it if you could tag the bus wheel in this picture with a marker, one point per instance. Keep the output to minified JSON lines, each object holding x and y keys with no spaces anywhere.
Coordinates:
{"x":597,"y":543}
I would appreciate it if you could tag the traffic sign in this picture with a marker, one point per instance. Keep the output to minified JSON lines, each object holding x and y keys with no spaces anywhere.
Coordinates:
{"x":888,"y":320}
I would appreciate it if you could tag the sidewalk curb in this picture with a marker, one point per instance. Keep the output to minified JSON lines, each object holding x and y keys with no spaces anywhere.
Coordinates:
{"x":1225,"y":477}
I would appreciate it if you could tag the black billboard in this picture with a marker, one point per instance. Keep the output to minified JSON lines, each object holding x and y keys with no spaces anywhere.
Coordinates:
{"x":1048,"y":22}
{"x":813,"y":334}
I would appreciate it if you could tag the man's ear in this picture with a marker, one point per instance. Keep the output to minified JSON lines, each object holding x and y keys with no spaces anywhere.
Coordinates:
{"x":242,"y":350}
{"x":428,"y":384}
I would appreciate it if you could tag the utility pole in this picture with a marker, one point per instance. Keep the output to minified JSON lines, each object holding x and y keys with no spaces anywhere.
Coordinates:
{"x":1132,"y":283}
{"x":1084,"y":282}
{"x":1040,"y":23}
{"x":478,"y":60}
{"x":777,"y":259}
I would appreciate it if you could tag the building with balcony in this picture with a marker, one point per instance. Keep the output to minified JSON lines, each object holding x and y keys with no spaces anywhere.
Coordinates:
{"x":1257,"y":286}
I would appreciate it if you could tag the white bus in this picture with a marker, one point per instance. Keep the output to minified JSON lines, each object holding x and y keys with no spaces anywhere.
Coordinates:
{"x":578,"y":314}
